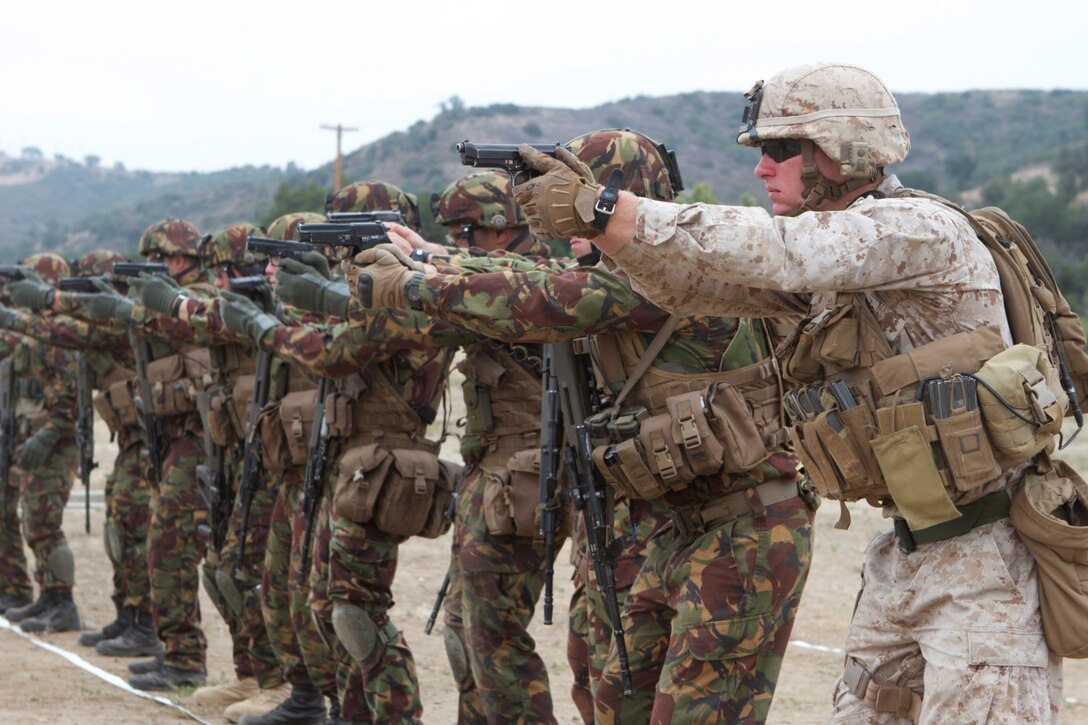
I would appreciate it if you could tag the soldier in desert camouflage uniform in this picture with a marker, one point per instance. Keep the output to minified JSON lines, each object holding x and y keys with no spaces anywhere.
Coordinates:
{"x":731,"y":537}
{"x":44,"y":466}
{"x":947,"y":627}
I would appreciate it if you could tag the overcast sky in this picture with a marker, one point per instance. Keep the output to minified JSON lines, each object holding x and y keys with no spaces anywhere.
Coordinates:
{"x":209,"y":85}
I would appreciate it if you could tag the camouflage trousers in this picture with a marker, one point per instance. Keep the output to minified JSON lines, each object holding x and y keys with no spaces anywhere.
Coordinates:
{"x":44,"y":493}
{"x":353,"y":701}
{"x":303,"y":655}
{"x":495,"y":583}
{"x":14,"y":576}
{"x":634,"y":523}
{"x":362,"y":564}
{"x":252,"y":650}
{"x":128,"y":512}
{"x":174,"y":552}
{"x":957,"y":622}
{"x":708,"y":619}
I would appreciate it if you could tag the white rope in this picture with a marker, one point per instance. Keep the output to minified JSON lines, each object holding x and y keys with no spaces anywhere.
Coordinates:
{"x":98,"y":672}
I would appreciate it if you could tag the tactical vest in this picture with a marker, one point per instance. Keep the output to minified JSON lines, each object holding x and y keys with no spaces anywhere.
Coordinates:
{"x":502,"y":406}
{"x":284,"y":425}
{"x":114,"y":400}
{"x":676,"y":428}
{"x":230,"y":392}
{"x":871,"y":425}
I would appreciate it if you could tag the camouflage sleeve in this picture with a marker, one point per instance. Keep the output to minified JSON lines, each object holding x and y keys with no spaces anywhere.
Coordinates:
{"x":59,"y":366}
{"x":69,"y":332}
{"x":407,"y":329}
{"x":203,"y":317}
{"x":539,"y":305}
{"x":9,"y":340}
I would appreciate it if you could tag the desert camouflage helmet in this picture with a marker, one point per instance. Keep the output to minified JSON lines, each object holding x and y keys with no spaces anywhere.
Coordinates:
{"x":171,"y":237}
{"x":845,"y":110}
{"x":98,"y":262}
{"x":649,"y":169}
{"x":227,"y":245}
{"x":286,"y":227}
{"x":483,"y":198}
{"x":50,"y":267}
{"x":375,"y":196}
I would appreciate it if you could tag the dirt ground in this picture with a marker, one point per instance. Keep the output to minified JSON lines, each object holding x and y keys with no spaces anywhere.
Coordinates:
{"x":39,"y":686}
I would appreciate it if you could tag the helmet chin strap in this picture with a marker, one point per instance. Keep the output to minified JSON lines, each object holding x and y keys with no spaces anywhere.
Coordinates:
{"x":818,"y":187}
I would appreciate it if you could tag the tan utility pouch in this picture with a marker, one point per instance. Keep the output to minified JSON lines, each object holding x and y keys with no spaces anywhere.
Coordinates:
{"x":338,"y":407}
{"x":276,"y":454}
{"x":1050,"y":512}
{"x":737,"y":442}
{"x":241,"y":397}
{"x":116,"y":406}
{"x":401,"y":491}
{"x":1022,"y":404}
{"x":296,"y":412}
{"x":512,"y":496}
{"x":171,"y":389}
{"x":624,"y":467}
{"x":220,"y":425}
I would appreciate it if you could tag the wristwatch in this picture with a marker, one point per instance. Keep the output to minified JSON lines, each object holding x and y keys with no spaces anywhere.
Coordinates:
{"x":606,"y":202}
{"x":411,"y":290}
{"x":420,"y":255}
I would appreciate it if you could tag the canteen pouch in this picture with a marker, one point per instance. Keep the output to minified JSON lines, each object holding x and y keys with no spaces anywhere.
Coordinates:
{"x":512,"y":496}
{"x":170,"y":394}
{"x":395,"y":490}
{"x":276,"y":454}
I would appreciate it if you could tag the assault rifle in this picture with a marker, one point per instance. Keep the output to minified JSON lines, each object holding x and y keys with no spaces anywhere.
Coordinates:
{"x":251,"y":459}
{"x":589,"y":492}
{"x":7,"y":423}
{"x":503,"y":156}
{"x":279,"y":248}
{"x":145,"y":405}
{"x":550,"y":506}
{"x":313,"y":482}
{"x":135,"y":269}
{"x":85,"y":432}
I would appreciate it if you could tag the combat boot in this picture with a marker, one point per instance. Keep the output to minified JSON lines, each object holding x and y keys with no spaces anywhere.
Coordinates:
{"x":139,"y":640}
{"x":9,"y":600}
{"x":228,"y":694}
{"x":142,"y":667}
{"x":114,"y":629}
{"x":259,"y":704}
{"x":18,"y":614}
{"x":305,"y":706}
{"x":167,"y":677}
{"x":61,"y":615}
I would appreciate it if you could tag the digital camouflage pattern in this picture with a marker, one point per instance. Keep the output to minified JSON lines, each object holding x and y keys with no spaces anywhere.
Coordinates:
{"x":286,"y":226}
{"x":227,"y":246}
{"x":375,"y":196}
{"x":170,"y":237}
{"x":483,"y":198}
{"x":645,"y":172}
{"x":50,"y":267}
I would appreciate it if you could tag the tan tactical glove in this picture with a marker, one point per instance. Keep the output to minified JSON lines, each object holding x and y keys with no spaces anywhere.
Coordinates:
{"x":559,"y":203}
{"x":381,"y":277}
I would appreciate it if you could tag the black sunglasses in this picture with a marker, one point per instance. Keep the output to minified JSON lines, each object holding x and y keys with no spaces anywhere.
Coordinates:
{"x":781,"y":149}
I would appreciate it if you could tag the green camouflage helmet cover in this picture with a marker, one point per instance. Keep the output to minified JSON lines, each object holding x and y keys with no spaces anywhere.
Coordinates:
{"x":171,"y":237}
{"x":375,"y":196}
{"x":286,"y":227}
{"x":640,"y":159}
{"x":227,"y":245}
{"x":50,"y":267}
{"x":98,"y":262}
{"x":845,"y":110}
{"x":483,"y":198}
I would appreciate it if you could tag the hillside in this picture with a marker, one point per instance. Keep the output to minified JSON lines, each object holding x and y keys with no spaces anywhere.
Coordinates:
{"x":1026,"y":150}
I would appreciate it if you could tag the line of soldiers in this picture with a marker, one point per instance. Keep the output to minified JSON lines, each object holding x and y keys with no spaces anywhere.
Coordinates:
{"x":272,"y":416}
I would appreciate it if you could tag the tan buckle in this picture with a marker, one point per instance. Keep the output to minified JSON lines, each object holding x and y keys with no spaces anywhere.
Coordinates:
{"x":856,"y":678}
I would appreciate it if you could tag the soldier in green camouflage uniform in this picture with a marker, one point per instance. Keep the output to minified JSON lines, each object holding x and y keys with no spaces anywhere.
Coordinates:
{"x":354,"y":562}
{"x":708,"y":617}
{"x":45,"y":461}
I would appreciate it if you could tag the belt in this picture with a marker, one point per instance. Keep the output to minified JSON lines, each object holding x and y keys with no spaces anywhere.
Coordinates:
{"x":987,"y":509}
{"x":881,"y":696}
{"x":689,"y":521}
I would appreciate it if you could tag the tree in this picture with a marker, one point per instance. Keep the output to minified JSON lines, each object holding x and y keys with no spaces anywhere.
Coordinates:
{"x":32,"y":153}
{"x":289,"y":199}
{"x":91,"y":161}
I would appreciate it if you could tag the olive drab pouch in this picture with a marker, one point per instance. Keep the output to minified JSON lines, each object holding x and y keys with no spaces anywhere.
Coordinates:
{"x":512,"y":496}
{"x":276,"y":454}
{"x":296,"y":415}
{"x":172,"y":393}
{"x":1050,"y":513}
{"x":1021,"y":401}
{"x":396,"y":490}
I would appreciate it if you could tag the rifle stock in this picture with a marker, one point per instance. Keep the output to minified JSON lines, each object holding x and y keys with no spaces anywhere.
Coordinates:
{"x":85,"y":432}
{"x":313,"y":482}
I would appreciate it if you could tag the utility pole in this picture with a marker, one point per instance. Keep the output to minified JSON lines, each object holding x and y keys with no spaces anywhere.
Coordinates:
{"x":338,"y":168}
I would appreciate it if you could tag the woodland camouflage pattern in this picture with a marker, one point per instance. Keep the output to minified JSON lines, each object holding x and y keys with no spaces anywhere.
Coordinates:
{"x":170,"y":236}
{"x":635,"y":155}
{"x":227,"y":245}
{"x":484,"y":199}
{"x":376,"y":196}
